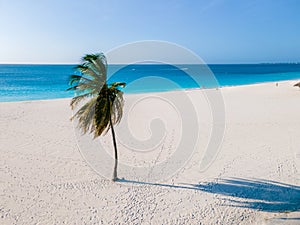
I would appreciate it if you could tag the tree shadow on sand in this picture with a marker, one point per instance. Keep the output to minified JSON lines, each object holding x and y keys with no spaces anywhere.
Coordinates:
{"x":263,"y":195}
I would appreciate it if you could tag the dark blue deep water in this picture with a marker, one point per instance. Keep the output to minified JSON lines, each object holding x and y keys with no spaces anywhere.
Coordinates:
{"x":34,"y":82}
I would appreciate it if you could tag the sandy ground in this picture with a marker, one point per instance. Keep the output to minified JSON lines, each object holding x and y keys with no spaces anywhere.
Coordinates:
{"x":47,"y":177}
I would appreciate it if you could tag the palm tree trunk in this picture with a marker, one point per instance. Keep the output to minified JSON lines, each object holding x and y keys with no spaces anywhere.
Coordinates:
{"x":116,"y":150}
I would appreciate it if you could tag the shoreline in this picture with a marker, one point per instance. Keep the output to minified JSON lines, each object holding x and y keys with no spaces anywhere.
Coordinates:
{"x":177,"y":90}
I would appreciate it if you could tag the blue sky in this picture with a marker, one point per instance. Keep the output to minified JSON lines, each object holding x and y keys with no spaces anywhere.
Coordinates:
{"x":219,"y":31}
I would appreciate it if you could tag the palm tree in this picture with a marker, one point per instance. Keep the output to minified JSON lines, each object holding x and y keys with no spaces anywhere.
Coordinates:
{"x":104,"y":102}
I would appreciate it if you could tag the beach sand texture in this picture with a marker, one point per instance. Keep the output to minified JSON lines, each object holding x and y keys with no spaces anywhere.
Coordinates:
{"x":255,"y":178}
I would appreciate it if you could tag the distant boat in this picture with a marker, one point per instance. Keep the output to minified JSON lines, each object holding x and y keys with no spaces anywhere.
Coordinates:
{"x":297,"y":85}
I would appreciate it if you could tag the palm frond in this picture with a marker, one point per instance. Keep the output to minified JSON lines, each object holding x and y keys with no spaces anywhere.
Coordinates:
{"x":77,"y":78}
{"x":101,"y":64}
{"x":102,"y":112}
{"x":93,"y":69}
{"x":85,"y":116}
{"x":86,"y":70}
{"x":97,"y":60}
{"x":84,"y":87}
{"x":109,"y":105}
{"x":78,"y":99}
{"x":95,"y":64}
{"x":72,"y":88}
{"x":118,"y":84}
{"x":117,"y":107}
{"x":106,"y":103}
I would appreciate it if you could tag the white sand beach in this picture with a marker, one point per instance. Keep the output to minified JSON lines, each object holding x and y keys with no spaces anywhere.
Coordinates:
{"x":254,"y":178}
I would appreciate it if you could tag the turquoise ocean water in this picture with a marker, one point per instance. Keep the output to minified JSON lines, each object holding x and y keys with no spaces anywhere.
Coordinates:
{"x":35,"y":82}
